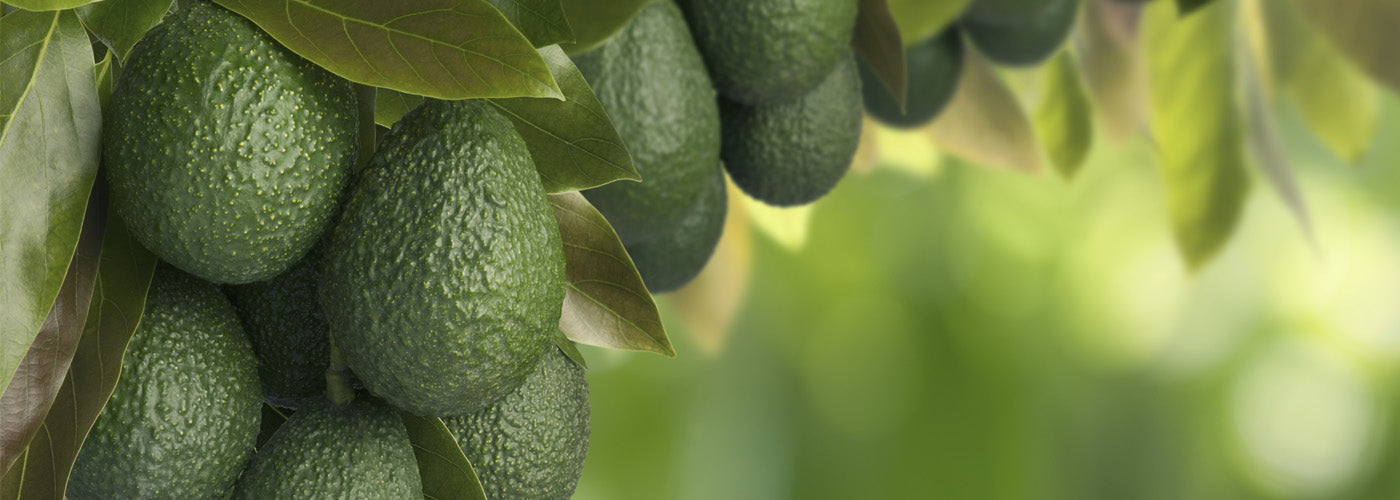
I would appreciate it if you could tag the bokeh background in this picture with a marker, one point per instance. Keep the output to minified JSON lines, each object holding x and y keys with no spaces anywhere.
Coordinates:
{"x":935,"y":329}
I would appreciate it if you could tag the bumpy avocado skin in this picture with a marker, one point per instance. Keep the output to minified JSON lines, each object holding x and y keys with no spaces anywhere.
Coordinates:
{"x":933,"y":66}
{"x":652,"y":82}
{"x":531,"y":445}
{"x":226,"y":153}
{"x":669,"y":261}
{"x":288,"y":331}
{"x":793,"y":153}
{"x":1019,"y":32}
{"x":185,"y":414}
{"x":767,"y":51}
{"x":445,"y":274}
{"x":360,"y":450}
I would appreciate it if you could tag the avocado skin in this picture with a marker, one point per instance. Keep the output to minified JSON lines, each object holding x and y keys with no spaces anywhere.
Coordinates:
{"x":934,"y":66}
{"x":652,"y":82}
{"x":185,"y":414}
{"x":359,"y":450}
{"x":445,"y":275}
{"x":793,"y":153}
{"x":768,"y":51}
{"x":226,"y":153}
{"x":531,"y":445}
{"x":287,"y":330}
{"x":1019,"y":32}
{"x":671,"y":260}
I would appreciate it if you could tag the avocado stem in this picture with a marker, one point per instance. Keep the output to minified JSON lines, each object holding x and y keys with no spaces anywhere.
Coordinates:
{"x":338,"y":388}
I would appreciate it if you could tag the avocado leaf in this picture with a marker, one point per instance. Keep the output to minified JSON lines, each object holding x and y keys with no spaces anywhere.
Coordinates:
{"x":106,"y":73}
{"x":119,"y":24}
{"x":569,"y":349}
{"x":47,"y":5}
{"x":444,"y":469}
{"x":541,"y":21}
{"x":1363,"y":30}
{"x":984,"y":123}
{"x":447,"y":49}
{"x":593,"y":21}
{"x":1064,"y":119}
{"x":877,"y":41}
{"x":920,"y":19}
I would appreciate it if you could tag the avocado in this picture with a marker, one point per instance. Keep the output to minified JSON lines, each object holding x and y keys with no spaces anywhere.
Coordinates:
{"x":652,"y":83}
{"x":358,"y":450}
{"x":1019,"y":32}
{"x":531,"y":444}
{"x":226,"y":153}
{"x":444,"y":278}
{"x":794,"y":152}
{"x":767,"y":51}
{"x":933,"y":66}
{"x":185,"y":414}
{"x":669,"y":261}
{"x":287,"y":330}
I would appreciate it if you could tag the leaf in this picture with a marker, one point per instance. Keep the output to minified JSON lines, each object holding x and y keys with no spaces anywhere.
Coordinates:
{"x":445,"y":470}
{"x":119,"y":297}
{"x":119,"y":24}
{"x":541,"y":21}
{"x":390,"y":106}
{"x":365,"y":103}
{"x":1114,"y":73}
{"x":567,"y":347}
{"x":572,"y":142}
{"x":1196,"y":124}
{"x":1186,"y":7}
{"x":448,"y":49}
{"x":105,"y":72}
{"x":50,"y":119}
{"x":1364,"y":30}
{"x":1268,"y":150}
{"x":272,"y":419}
{"x":877,"y":41}
{"x":1064,"y":119}
{"x":47,"y":5}
{"x":606,"y":304}
{"x":594,"y":21}
{"x":984,"y":123}
{"x":920,"y":19}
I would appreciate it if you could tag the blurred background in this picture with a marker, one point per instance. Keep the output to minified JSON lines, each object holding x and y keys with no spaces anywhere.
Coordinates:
{"x":935,"y":329}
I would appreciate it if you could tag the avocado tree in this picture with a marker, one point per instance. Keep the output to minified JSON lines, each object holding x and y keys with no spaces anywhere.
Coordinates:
{"x":257,"y":247}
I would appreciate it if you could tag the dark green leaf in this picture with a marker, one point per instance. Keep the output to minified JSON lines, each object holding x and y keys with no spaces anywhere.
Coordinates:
{"x":119,"y":297}
{"x":877,"y":41}
{"x":365,"y":97}
{"x":1064,"y":119}
{"x":542,"y":21}
{"x":272,"y":419}
{"x":50,"y":119}
{"x":594,"y":21}
{"x":568,"y":348}
{"x":448,"y":49}
{"x":606,"y":305}
{"x":391,"y":105}
{"x":1188,"y":6}
{"x":572,"y":141}
{"x":106,"y":74}
{"x":920,"y":19}
{"x":445,"y":470}
{"x":119,"y":24}
{"x":47,"y":5}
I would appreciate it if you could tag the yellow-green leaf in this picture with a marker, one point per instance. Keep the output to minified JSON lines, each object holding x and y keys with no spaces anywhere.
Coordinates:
{"x":920,"y":19}
{"x":1064,"y":118}
{"x":984,"y":123}
{"x":1113,"y":69}
{"x":1364,"y":30}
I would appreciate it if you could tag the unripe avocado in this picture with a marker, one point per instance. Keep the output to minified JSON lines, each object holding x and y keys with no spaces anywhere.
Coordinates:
{"x":227,"y":154}
{"x":288,"y":331}
{"x":445,"y":275}
{"x":766,"y":51}
{"x":185,"y":414}
{"x":794,"y":152}
{"x":652,"y":82}
{"x":1019,"y":32}
{"x":531,"y":444}
{"x":669,"y":261}
{"x":324,"y":451}
{"x":933,"y":66}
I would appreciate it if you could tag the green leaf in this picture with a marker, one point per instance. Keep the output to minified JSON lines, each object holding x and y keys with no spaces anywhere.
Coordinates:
{"x":448,"y":49}
{"x":50,"y":120}
{"x":567,"y":347}
{"x":1186,"y":7}
{"x":606,"y":305}
{"x":1196,"y":123}
{"x":445,"y":470}
{"x":105,"y":71}
{"x":47,"y":5}
{"x":572,"y":142}
{"x":877,"y":41}
{"x":594,"y":21}
{"x":119,"y":297}
{"x":365,"y":97}
{"x":1064,"y":118}
{"x":541,"y":21}
{"x":1113,"y":67}
{"x":390,"y":106}
{"x":1268,"y":150}
{"x":920,"y":19}
{"x":984,"y":123}
{"x":1364,"y":30}
{"x":119,"y":24}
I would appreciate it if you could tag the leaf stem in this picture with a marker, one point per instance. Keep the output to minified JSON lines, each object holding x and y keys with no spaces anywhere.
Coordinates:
{"x":338,"y":388}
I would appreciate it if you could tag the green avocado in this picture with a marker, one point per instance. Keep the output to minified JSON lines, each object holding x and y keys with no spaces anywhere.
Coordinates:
{"x":669,"y":261}
{"x":227,"y":154}
{"x":359,"y":450}
{"x":288,"y":331}
{"x":531,"y":444}
{"x":933,"y":66}
{"x":793,"y":153}
{"x":185,"y":414}
{"x":445,"y":275}
{"x":652,"y":82}
{"x":1019,"y":32}
{"x":766,"y":51}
